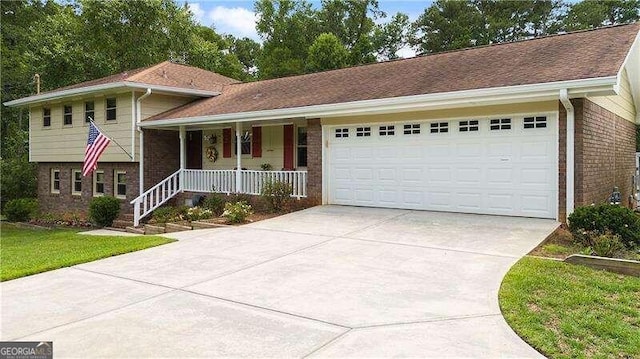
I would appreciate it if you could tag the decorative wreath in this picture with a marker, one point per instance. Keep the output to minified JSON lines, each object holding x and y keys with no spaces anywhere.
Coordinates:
{"x":212,"y":153}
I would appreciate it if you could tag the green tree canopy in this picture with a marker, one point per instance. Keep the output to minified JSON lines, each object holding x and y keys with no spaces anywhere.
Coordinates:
{"x":327,"y":53}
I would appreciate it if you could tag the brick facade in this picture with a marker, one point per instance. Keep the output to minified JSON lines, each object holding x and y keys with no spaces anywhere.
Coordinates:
{"x":314,"y":159}
{"x":65,"y":201}
{"x":605,"y":154}
{"x":161,"y":155}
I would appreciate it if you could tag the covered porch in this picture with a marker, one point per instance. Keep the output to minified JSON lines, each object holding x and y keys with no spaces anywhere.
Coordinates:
{"x":239,"y":157}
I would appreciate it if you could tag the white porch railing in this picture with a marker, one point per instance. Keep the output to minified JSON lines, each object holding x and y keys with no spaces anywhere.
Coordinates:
{"x":218,"y":181}
{"x":155,"y":196}
{"x":253,"y":181}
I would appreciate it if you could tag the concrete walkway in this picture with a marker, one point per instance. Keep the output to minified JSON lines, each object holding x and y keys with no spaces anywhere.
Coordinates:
{"x":329,"y":281}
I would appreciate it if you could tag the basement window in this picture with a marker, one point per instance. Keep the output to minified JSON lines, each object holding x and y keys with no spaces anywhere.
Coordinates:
{"x":120,"y":184}
{"x":342,"y":132}
{"x":535,"y":122}
{"x":76,"y":182}
{"x":387,"y":130}
{"x":363,"y":131}
{"x":501,"y":124}
{"x":440,"y":127}
{"x":55,"y":181}
{"x":412,"y":129}
{"x":98,"y":183}
{"x":468,"y":126}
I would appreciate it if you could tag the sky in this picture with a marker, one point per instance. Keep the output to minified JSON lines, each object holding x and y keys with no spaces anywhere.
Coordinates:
{"x":237,"y":17}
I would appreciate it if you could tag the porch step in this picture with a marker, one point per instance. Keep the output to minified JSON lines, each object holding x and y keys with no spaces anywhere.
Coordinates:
{"x":118,"y":229}
{"x":205,"y":225}
{"x":122,"y":223}
{"x":126,"y":217}
{"x":136,"y":230}
{"x":151,"y":229}
{"x":173,"y":227}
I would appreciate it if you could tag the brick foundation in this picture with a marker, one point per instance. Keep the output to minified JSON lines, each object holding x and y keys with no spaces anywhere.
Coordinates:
{"x":67,"y":202}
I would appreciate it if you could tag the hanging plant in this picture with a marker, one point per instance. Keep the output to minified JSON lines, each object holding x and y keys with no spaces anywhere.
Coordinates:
{"x":212,"y":153}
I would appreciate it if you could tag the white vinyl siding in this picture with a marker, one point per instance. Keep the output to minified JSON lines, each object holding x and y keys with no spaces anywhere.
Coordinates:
{"x":621,"y":104}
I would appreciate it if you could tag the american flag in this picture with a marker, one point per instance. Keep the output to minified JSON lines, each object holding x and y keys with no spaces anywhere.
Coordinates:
{"x":96,"y":144}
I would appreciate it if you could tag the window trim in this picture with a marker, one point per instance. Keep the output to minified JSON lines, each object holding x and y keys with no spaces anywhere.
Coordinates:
{"x":341,"y":132}
{"x":439,"y":127}
{"x":535,"y":122}
{"x":95,"y":182}
{"x":67,"y":115}
{"x":468,"y":126}
{"x":411,"y":128}
{"x":501,"y":124}
{"x":73,"y":182}
{"x":243,"y":139}
{"x":53,"y":180}
{"x":46,"y":118}
{"x":107,"y":109}
{"x":116,"y":184}
{"x":86,"y":112}
{"x":387,"y":130}
{"x":363,"y":131}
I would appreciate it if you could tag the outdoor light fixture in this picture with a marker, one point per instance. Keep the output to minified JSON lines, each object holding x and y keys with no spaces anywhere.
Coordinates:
{"x":616,"y":197}
{"x":213,"y":139}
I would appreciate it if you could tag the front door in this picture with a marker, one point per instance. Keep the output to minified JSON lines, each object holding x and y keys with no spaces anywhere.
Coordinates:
{"x":194,"y":150}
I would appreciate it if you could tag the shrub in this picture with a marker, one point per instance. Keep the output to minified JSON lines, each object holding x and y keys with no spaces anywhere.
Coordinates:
{"x":266,"y":167}
{"x":198,"y":213}
{"x":103,"y":210}
{"x":606,"y":245}
{"x":21,"y":209}
{"x":605,"y":218}
{"x":165,"y":214}
{"x":237,"y":212}
{"x":276,"y":194}
{"x":215,"y":203}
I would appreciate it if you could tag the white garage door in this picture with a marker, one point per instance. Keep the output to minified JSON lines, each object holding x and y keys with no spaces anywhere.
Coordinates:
{"x":505,"y":166}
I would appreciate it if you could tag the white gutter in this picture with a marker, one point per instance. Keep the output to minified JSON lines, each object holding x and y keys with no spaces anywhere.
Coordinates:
{"x":570,"y":155}
{"x":141,"y":141}
{"x":497,"y":95}
{"x":113,"y":85}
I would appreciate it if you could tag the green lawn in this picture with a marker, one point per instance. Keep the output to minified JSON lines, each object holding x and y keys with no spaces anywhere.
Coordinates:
{"x":569,"y":311}
{"x":29,"y":251}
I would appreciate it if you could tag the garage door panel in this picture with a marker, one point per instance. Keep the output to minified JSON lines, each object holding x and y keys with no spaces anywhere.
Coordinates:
{"x":509,"y":172}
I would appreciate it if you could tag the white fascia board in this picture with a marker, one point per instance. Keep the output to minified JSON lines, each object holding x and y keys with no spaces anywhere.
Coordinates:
{"x":109,"y":86}
{"x":476,"y":97}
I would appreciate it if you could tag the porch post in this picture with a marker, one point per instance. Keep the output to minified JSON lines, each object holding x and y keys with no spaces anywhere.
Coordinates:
{"x":183,"y":154}
{"x":238,"y":157}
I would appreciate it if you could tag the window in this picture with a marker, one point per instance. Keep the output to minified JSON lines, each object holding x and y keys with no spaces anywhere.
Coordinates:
{"x":98,"y":183}
{"x":468,"y":126}
{"x":535,"y":122}
{"x":387,"y":130}
{"x":501,"y":124}
{"x":245,"y":144}
{"x":68,"y":115}
{"x":412,"y":129}
{"x":55,"y":181}
{"x":111,"y":109}
{"x":46,"y":117}
{"x":440,"y":127}
{"x":76,"y":182}
{"x":363,"y":131}
{"x":302,"y":147}
{"x":120,"y":184}
{"x":342,"y":132}
{"x":89,"y":111}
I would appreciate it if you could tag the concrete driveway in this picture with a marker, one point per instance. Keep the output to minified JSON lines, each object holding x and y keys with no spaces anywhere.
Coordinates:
{"x":329,"y":281}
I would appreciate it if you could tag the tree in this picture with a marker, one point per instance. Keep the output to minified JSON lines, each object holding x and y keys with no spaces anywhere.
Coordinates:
{"x":391,"y":37}
{"x":591,"y":13}
{"x":327,"y":53}
{"x":247,"y":51}
{"x":447,"y":25}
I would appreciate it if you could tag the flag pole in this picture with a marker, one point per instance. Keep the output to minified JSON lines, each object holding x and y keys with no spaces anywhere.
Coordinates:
{"x":114,"y":141}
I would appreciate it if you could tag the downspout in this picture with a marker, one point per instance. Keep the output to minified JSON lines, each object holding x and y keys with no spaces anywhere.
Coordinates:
{"x":570,"y":151}
{"x":141,"y":141}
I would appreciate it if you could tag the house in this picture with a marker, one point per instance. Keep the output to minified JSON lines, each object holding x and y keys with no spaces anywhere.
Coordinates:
{"x":530,"y":128}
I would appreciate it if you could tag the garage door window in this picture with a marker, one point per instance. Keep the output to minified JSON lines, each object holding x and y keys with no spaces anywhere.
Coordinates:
{"x":342,"y":132}
{"x":387,"y":130}
{"x":440,"y":127}
{"x":413,"y":129}
{"x":535,"y":122}
{"x":468,"y":126}
{"x":501,"y":124}
{"x":363,"y":131}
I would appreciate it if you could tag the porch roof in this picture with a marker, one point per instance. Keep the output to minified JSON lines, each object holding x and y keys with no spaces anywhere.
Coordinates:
{"x":590,"y":60}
